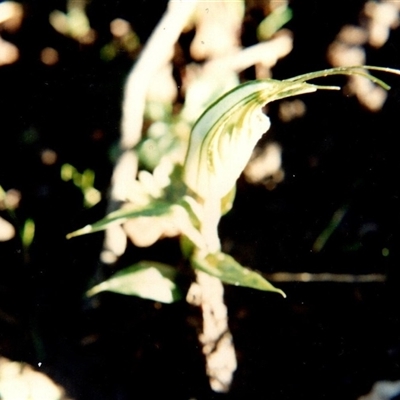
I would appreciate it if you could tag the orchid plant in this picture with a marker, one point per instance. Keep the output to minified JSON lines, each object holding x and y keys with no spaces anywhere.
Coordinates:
{"x":189,"y":184}
{"x":188,"y":199}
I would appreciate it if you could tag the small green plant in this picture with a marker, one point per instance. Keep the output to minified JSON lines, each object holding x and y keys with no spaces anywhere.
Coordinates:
{"x":194,"y":196}
{"x":186,"y":196}
{"x":83,"y":181}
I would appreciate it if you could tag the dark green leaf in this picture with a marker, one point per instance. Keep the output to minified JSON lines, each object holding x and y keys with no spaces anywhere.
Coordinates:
{"x":228,"y":270}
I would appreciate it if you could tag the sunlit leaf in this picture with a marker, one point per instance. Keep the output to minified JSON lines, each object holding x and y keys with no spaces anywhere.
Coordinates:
{"x":147,"y":279}
{"x":223,"y":138}
{"x":227,"y":201}
{"x":361,"y":70}
{"x":273,"y":22}
{"x":67,"y":172}
{"x":87,"y":180}
{"x":28,"y":233}
{"x":228,"y":270}
{"x":225,"y":135}
{"x":155,"y":208}
{"x":92,"y":196}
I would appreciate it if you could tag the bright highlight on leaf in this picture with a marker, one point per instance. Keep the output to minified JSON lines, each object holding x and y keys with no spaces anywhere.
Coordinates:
{"x":147,"y":279}
{"x":225,"y":135}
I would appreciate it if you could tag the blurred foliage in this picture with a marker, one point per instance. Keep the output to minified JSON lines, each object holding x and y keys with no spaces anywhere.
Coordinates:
{"x":84,"y":181}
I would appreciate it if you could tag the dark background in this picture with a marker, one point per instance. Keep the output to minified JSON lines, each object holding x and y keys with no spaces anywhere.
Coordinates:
{"x":325,"y":341}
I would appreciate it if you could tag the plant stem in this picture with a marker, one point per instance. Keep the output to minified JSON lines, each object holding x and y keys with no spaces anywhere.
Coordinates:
{"x":216,"y":337}
{"x":208,"y":293}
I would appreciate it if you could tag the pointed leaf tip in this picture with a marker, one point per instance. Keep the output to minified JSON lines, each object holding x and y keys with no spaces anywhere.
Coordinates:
{"x":228,"y":270}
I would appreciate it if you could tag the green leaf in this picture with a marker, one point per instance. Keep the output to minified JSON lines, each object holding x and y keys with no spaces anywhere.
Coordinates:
{"x":361,"y":70}
{"x":223,"y":138}
{"x":154,"y":209}
{"x":273,"y":22}
{"x":146,"y":279}
{"x":228,"y":270}
{"x":28,"y":233}
{"x":227,"y":201}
